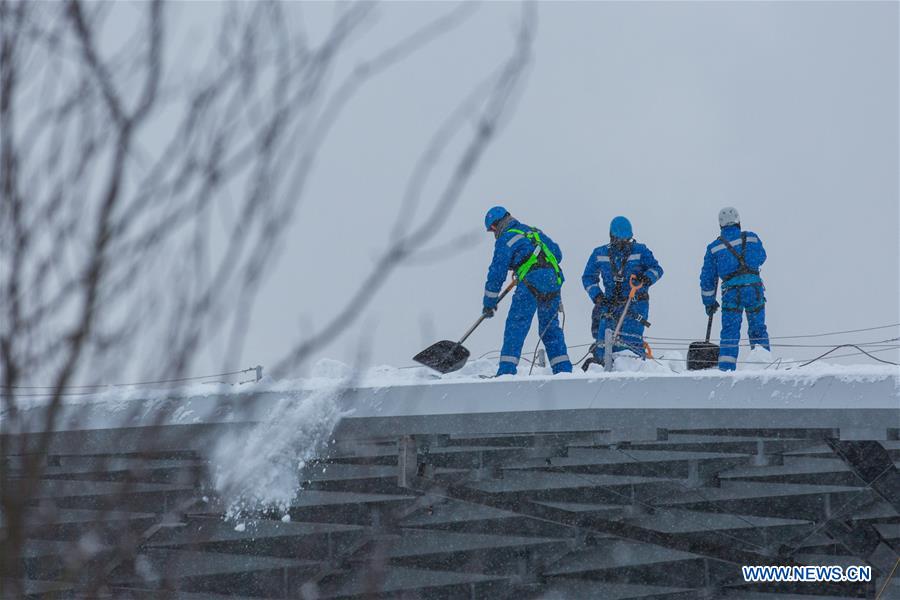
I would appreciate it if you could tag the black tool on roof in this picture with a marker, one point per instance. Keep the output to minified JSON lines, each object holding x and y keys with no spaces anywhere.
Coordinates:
{"x":703,"y":355}
{"x":447,"y":356}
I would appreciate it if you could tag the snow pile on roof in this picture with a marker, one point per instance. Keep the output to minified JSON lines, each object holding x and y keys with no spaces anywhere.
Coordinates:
{"x":758,"y":363}
{"x":327,"y":373}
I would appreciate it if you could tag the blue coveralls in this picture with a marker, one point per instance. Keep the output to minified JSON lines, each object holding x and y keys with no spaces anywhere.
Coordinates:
{"x":539,"y":291}
{"x":742,"y":290}
{"x":615,"y":265}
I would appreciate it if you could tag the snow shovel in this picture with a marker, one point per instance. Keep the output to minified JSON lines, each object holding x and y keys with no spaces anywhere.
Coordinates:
{"x":634,"y":289}
{"x":447,"y":356}
{"x":703,"y":355}
{"x":635,"y":285}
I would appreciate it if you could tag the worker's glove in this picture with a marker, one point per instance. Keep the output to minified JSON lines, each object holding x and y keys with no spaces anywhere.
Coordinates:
{"x":599,"y":300}
{"x":712,"y":308}
{"x":488,"y":311}
{"x":644,"y":280}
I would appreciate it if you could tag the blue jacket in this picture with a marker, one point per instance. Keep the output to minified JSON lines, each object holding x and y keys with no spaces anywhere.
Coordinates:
{"x":511,"y":250}
{"x":640,"y":261}
{"x":719,"y":262}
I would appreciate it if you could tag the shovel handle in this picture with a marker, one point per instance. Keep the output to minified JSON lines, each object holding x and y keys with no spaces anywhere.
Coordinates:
{"x":475,"y":325}
{"x":635,"y":284}
{"x":709,"y":324}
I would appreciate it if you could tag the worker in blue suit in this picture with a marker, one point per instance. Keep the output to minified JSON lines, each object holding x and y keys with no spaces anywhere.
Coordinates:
{"x":614,"y":264}
{"x":735,"y":257}
{"x":534,"y":258}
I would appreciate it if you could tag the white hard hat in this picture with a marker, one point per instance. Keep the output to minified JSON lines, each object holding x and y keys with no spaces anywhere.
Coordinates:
{"x":729,"y":216}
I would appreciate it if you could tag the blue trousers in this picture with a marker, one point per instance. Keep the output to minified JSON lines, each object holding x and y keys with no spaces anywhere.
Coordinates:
{"x":748,"y":299}
{"x":518,"y":322}
{"x":632,"y":332}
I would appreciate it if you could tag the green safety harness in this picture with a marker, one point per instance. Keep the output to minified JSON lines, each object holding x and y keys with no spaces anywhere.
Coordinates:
{"x":540,"y":255}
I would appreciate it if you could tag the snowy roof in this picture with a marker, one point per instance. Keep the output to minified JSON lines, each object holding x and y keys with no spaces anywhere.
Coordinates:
{"x":623,"y":485}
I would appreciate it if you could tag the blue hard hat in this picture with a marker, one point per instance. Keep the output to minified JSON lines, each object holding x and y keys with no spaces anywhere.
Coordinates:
{"x":620,"y":227}
{"x":494,"y":215}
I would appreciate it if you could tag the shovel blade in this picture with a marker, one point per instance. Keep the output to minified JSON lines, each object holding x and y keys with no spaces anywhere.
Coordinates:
{"x":444,"y":356}
{"x":702,"y":355}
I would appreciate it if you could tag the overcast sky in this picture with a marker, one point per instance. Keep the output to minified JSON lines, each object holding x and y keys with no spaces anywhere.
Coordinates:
{"x":662,"y":112}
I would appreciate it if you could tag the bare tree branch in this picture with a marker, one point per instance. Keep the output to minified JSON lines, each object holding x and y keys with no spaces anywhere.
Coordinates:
{"x":397,"y":251}
{"x":113,"y":260}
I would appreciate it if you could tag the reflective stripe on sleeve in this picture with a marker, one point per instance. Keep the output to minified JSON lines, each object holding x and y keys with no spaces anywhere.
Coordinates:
{"x":655,"y":273}
{"x":490,"y":294}
{"x":515,"y":239}
{"x":602,"y":259}
{"x":561,"y":358}
{"x":634,"y":257}
{"x":708,"y":292}
{"x":592,"y":286}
